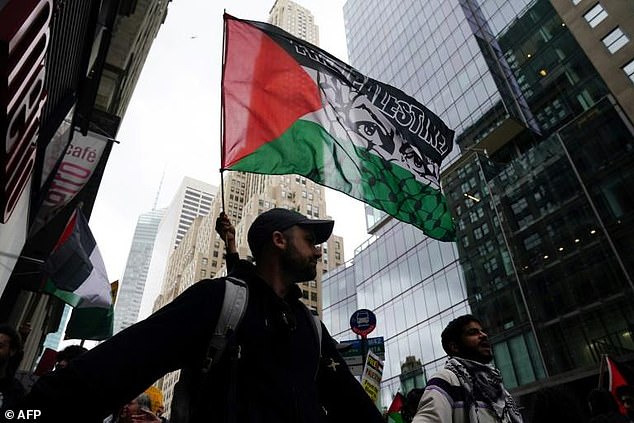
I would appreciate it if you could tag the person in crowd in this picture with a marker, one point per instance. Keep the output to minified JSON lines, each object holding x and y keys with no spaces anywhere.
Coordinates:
{"x":137,"y":411}
{"x":274,"y":368}
{"x":411,"y":404}
{"x":604,"y":408}
{"x":67,"y":355}
{"x":469,"y":389}
{"x":160,"y":414}
{"x":11,"y":390}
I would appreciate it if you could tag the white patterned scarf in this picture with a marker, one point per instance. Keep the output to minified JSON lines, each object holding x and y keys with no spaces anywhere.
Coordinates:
{"x":487,"y":381}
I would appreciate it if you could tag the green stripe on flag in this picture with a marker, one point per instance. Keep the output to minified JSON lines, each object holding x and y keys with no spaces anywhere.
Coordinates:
{"x":68,"y":297}
{"x":90,"y":323}
{"x":308,"y":149}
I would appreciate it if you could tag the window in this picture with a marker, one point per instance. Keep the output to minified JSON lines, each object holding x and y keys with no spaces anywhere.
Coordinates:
{"x":629,"y":70}
{"x":615,"y":40}
{"x":595,"y":15}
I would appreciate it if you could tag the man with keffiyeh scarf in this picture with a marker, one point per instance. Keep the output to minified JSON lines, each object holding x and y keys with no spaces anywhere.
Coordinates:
{"x":469,"y":389}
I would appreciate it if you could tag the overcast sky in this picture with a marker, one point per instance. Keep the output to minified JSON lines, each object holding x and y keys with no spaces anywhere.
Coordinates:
{"x":172,"y":123}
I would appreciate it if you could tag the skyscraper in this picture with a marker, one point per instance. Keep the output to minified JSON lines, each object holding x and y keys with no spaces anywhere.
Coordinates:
{"x":192,"y":199}
{"x":538,"y":195}
{"x":131,"y":286}
{"x":295,"y":19}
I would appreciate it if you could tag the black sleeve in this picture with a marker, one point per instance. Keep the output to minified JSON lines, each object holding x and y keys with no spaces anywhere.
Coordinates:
{"x":113,"y":373}
{"x":231,"y":259}
{"x":341,"y":394}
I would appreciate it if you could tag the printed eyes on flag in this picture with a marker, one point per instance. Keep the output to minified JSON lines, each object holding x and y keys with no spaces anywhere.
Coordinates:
{"x":370,"y":127}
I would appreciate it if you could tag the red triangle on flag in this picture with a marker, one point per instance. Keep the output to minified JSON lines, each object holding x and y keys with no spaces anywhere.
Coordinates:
{"x":397,"y":403}
{"x":616,"y":379}
{"x":265,"y":90}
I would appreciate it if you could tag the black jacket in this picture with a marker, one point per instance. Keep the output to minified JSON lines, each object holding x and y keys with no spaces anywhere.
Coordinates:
{"x":11,"y":394}
{"x":280,"y":375}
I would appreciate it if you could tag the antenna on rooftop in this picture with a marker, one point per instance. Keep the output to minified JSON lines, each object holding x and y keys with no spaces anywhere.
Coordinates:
{"x":159,"y":189}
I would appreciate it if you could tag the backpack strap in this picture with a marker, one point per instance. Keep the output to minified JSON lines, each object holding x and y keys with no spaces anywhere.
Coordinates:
{"x":317,"y":325}
{"x":234,"y":305}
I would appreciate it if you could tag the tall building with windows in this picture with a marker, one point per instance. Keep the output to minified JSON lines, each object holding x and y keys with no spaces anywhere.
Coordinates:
{"x":132,"y":285}
{"x":413,"y":284}
{"x":604,"y":31}
{"x":538,"y":93}
{"x":295,"y":19}
{"x":192,"y":199}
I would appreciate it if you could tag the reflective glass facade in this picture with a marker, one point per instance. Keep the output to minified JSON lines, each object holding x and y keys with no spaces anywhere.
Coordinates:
{"x":545,"y":222}
{"x":414,"y":285}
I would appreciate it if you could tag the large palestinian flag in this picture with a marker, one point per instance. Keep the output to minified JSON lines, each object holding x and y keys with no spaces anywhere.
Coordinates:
{"x":290,"y":107}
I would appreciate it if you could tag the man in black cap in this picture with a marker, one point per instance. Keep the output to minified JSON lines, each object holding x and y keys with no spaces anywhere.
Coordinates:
{"x":275,"y":368}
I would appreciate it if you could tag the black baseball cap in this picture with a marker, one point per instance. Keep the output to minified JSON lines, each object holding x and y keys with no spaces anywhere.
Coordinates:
{"x":279,"y":219}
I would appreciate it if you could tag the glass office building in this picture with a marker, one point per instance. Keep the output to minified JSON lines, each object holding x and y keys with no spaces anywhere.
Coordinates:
{"x":545,"y":220}
{"x":537,"y":184}
{"x":415,"y":287}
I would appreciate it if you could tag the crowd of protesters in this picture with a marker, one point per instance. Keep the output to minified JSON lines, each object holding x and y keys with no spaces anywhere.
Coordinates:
{"x":301,"y":375}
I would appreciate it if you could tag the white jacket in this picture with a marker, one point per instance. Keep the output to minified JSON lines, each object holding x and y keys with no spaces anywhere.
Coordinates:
{"x":443,"y":402}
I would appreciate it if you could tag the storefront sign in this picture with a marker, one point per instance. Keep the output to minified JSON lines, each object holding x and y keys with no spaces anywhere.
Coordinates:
{"x":77,"y":167}
{"x":24,"y":38}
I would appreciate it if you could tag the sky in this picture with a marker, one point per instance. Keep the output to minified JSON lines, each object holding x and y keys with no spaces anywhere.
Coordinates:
{"x":171,"y":128}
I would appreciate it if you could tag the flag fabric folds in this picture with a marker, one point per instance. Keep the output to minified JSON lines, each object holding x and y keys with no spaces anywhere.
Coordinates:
{"x":75,"y":273}
{"x":95,"y":323}
{"x":292,"y":108}
{"x":617,"y":376}
{"x":394,"y":412}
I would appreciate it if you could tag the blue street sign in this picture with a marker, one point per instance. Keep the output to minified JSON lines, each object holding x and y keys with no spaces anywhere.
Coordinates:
{"x":352,"y":353}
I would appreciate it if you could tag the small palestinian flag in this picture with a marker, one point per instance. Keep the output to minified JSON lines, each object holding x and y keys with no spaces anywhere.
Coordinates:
{"x":292,"y":108}
{"x":394,"y":412}
{"x":76,"y":274}
{"x":618,"y":376}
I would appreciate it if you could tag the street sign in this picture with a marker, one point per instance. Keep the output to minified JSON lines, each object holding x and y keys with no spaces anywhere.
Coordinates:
{"x":362,"y":322}
{"x":352,"y":354}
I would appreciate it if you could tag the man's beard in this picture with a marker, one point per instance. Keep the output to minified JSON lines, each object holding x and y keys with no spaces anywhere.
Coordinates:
{"x":300,"y":270}
{"x":475,"y":355}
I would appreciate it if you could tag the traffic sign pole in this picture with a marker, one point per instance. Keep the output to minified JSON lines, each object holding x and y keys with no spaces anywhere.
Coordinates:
{"x":364,"y":350}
